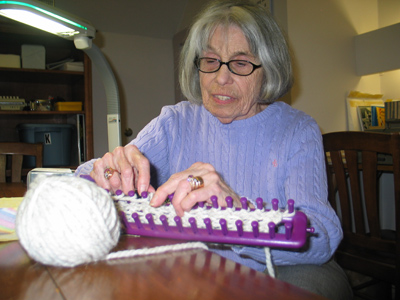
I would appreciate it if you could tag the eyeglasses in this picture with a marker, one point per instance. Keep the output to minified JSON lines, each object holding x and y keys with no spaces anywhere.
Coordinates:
{"x":238,"y":67}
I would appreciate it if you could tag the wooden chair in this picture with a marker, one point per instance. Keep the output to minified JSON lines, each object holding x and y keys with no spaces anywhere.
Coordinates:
{"x":354,"y":168}
{"x":17,"y":151}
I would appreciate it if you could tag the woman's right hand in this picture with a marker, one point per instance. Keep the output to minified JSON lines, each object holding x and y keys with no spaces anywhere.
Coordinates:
{"x":131,"y":171}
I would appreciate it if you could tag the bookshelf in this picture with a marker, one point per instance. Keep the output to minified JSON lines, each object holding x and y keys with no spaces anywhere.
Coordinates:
{"x":32,"y":84}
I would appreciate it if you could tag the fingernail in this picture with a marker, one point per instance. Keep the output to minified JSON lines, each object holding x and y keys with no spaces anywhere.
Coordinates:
{"x":152,"y":201}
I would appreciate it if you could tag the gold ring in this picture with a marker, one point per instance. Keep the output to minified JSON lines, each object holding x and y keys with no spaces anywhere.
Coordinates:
{"x":195,"y":182}
{"x":109,"y":172}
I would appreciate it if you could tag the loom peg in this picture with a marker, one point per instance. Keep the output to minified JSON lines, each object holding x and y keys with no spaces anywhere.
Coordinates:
{"x":290,"y":204}
{"x":214,"y":201}
{"x":275,"y":203}
{"x":118,"y":192}
{"x":178,"y":223}
{"x":239,"y":226}
{"x":224,"y":227}
{"x":256,"y":232}
{"x":271,"y":229}
{"x":192,"y":222}
{"x":136,"y":218}
{"x":164,"y":221}
{"x":131,"y":193}
{"x":149,"y":218}
{"x":144,"y":195}
{"x":207,"y":222}
{"x":259,"y":203}
{"x":229,"y":201}
{"x":243,"y":200}
{"x":288,"y":230}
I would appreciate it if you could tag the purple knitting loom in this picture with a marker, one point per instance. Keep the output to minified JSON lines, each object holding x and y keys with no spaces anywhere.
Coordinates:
{"x":290,"y":234}
{"x":294,"y":235}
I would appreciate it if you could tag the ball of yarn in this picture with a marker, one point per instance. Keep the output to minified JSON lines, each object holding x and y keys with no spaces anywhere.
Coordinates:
{"x":67,"y":221}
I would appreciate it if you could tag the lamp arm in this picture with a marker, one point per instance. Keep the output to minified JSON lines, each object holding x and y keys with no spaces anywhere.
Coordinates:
{"x":112,"y":94}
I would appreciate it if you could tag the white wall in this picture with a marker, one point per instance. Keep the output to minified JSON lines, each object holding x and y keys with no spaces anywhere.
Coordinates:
{"x":321,"y":36}
{"x":389,"y":14}
{"x":144,"y":70}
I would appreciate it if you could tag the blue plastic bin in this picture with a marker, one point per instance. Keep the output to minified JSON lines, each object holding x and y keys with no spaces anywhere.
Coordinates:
{"x":56,"y":139}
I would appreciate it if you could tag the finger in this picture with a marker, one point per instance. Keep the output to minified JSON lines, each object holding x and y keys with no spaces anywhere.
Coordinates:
{"x":142,"y":166}
{"x":125,"y":179}
{"x":99,"y":167}
{"x":182,"y":192}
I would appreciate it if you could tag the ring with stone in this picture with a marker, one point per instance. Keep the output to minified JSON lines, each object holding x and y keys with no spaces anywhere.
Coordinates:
{"x":109,"y":172}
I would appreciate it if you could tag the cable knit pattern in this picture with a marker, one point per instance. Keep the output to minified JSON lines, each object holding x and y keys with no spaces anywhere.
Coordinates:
{"x":277,"y":153}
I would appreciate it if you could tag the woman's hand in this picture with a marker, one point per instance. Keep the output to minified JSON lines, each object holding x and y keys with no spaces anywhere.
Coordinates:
{"x":132,"y":170}
{"x":185,"y":198}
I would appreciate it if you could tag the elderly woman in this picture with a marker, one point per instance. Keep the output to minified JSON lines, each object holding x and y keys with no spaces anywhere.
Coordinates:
{"x":233,"y":138}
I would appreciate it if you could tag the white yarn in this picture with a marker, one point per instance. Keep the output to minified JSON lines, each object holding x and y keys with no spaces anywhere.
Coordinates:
{"x":67,"y":221}
{"x":268,"y":262}
{"x":156,"y":250}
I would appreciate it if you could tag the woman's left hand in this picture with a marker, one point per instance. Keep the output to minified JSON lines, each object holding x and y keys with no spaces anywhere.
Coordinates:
{"x":185,"y":198}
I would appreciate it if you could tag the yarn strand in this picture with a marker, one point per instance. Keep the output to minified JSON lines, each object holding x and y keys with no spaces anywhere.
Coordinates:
{"x":268,"y":262}
{"x":155,"y":250}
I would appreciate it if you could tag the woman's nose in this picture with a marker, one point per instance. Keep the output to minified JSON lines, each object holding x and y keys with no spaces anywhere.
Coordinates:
{"x":223,"y":75}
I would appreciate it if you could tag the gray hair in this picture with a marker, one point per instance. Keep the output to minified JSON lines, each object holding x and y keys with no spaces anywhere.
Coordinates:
{"x":265,"y":39}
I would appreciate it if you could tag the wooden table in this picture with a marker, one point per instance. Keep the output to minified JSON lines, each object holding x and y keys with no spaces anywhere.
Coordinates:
{"x":192,"y":274}
{"x":12,"y":189}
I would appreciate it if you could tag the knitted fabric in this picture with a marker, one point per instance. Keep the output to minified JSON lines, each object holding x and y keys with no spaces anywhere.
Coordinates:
{"x":277,"y":153}
{"x":130,"y":205}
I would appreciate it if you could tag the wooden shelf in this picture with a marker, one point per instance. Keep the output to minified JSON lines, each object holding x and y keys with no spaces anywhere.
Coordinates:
{"x":33,"y":84}
{"x":31,"y":113}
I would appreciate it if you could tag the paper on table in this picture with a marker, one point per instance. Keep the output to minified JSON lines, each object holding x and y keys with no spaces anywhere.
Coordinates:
{"x":8,"y":211}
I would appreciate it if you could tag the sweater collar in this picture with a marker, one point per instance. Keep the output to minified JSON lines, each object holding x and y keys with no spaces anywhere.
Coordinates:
{"x":261,"y":117}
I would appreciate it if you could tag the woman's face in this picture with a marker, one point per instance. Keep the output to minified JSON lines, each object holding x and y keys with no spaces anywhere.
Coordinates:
{"x":225,"y":95}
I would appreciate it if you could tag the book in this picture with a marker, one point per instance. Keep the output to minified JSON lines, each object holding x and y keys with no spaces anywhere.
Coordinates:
{"x":356,"y":99}
{"x":392,"y":110}
{"x":364,"y":117}
{"x":378,"y":116}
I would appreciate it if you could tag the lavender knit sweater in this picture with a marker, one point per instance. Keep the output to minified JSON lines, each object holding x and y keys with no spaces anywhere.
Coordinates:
{"x":275,"y":154}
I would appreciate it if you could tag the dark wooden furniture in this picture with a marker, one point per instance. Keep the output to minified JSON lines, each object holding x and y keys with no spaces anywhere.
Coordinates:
{"x":17,"y":189}
{"x":16,"y":151}
{"x":193,"y":274}
{"x":353,"y":167}
{"x":32,"y":84}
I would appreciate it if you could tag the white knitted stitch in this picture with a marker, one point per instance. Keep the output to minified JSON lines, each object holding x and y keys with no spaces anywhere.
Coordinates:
{"x":67,"y":221}
{"x":130,"y":205}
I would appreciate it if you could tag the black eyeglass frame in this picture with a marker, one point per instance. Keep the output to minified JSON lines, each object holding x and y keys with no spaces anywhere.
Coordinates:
{"x":197,"y":64}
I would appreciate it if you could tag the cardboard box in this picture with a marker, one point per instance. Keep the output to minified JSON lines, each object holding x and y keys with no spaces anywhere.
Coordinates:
{"x":10,"y":61}
{"x":68,"y":106}
{"x":73,"y":66}
{"x":33,"y":57}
